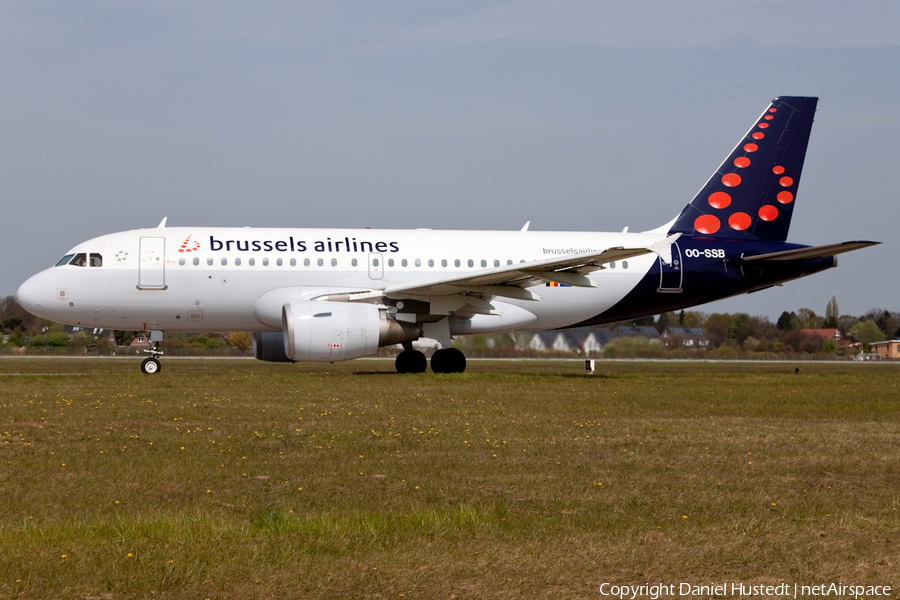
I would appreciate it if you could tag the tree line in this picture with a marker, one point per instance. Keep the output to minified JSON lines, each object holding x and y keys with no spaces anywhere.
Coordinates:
{"x":738,"y":331}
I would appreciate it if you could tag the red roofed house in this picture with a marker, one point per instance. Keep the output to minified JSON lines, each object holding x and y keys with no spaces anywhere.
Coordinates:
{"x":825,"y":334}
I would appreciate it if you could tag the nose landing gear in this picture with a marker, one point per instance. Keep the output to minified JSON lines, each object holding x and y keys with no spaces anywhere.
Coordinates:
{"x":151,"y":365}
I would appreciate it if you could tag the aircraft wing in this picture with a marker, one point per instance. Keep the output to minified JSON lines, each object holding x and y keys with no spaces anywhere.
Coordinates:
{"x":510,"y":281}
{"x":811,"y":252}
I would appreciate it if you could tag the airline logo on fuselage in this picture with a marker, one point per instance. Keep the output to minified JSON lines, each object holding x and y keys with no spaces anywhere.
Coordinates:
{"x":188,"y":246}
{"x":346,"y":244}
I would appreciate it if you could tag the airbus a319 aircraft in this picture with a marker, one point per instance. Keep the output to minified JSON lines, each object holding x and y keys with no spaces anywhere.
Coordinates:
{"x":337,"y":294}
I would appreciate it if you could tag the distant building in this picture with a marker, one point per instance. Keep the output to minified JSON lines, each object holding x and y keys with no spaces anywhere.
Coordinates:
{"x":94,"y":332}
{"x":825,"y":334}
{"x":542,"y":341}
{"x":685,"y":337}
{"x":889,"y":349}
{"x":140,"y":341}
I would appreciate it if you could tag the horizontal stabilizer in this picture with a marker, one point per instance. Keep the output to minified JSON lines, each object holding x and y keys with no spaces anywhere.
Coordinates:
{"x":811,"y":252}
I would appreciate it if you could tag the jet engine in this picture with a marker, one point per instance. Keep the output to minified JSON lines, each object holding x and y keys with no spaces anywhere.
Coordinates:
{"x":331,"y":332}
{"x":269,"y":346}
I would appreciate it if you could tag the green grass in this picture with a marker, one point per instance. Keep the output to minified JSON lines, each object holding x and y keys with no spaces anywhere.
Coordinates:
{"x":240,"y":479}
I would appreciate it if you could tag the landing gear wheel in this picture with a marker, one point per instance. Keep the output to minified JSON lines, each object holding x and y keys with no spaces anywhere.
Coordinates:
{"x":411,"y":361}
{"x":448,"y":360}
{"x":150,"y":366}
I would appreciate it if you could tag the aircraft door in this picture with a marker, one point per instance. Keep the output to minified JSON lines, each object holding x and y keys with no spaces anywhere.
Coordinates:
{"x":671,"y":275}
{"x":376,"y":265}
{"x":152,"y":266}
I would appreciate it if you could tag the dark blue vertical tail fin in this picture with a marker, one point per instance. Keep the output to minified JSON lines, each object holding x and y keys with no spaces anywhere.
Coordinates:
{"x":752,"y":194}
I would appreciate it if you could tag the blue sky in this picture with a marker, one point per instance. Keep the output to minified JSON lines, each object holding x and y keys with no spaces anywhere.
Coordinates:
{"x":575,"y":115}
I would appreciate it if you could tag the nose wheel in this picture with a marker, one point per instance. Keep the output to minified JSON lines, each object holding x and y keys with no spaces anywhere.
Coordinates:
{"x":150,"y":366}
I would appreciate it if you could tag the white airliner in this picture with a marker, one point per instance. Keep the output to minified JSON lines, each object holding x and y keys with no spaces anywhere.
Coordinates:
{"x":338,"y":294}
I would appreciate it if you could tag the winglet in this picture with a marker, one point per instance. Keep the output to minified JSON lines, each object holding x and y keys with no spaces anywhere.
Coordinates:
{"x":525,"y":228}
{"x":162,"y":224}
{"x":664,"y":248}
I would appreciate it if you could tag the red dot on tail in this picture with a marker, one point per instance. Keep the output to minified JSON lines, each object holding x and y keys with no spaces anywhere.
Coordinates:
{"x":739,"y":221}
{"x":773,"y":109}
{"x":786,"y":182}
{"x":750,"y":147}
{"x":731,"y":180}
{"x":742,"y":162}
{"x":758,"y":135}
{"x":778,"y":170}
{"x":785,"y":197}
{"x":768,"y":213}
{"x":763,"y":125}
{"x":706,"y":224}
{"x":719,"y":200}
{"x":768,"y":117}
{"x":181,"y":249}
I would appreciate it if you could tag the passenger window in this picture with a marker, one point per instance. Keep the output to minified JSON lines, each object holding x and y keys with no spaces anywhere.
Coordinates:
{"x":390,"y":262}
{"x":224,"y":261}
{"x":624,"y":264}
{"x":471,"y":263}
{"x":456,"y":262}
{"x":496,"y":263}
{"x":181,"y":261}
{"x":251,"y":261}
{"x":443,"y":262}
{"x":265,"y":262}
{"x":374,"y":262}
{"x":80,"y":260}
{"x":305,"y":262}
{"x":64,"y":260}
{"x":483,"y":263}
{"x":320,"y":262}
{"x":209,"y":261}
{"x":237,"y":262}
{"x":403,"y":263}
{"x":430,"y":262}
{"x":418,"y":263}
{"x":293,"y":262}
{"x":612,"y":265}
{"x":96,"y":260}
{"x":196,"y":261}
{"x":509,"y":262}
{"x":279,"y":262}
{"x":333,"y":262}
{"x":354,"y":262}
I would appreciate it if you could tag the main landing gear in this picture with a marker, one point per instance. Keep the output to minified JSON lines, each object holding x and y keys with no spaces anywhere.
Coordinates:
{"x":410,"y":361}
{"x":151,"y":366}
{"x":447,"y":360}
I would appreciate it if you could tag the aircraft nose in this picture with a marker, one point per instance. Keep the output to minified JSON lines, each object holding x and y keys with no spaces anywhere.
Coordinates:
{"x":31,"y":295}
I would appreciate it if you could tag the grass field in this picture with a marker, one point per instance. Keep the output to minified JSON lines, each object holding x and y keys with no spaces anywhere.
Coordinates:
{"x":240,"y":479}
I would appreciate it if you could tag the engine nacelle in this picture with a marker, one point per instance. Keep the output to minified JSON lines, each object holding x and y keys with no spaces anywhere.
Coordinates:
{"x":335,"y":331}
{"x":269,"y":346}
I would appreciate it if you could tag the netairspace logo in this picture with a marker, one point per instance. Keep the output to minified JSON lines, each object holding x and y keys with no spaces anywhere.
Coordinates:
{"x":742,"y":590}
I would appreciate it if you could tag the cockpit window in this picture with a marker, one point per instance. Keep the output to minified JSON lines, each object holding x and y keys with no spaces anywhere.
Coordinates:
{"x":64,"y":260}
{"x":96,"y":260}
{"x":80,"y":260}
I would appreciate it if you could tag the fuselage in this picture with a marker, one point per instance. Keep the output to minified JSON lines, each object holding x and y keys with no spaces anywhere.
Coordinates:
{"x":211,"y":279}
